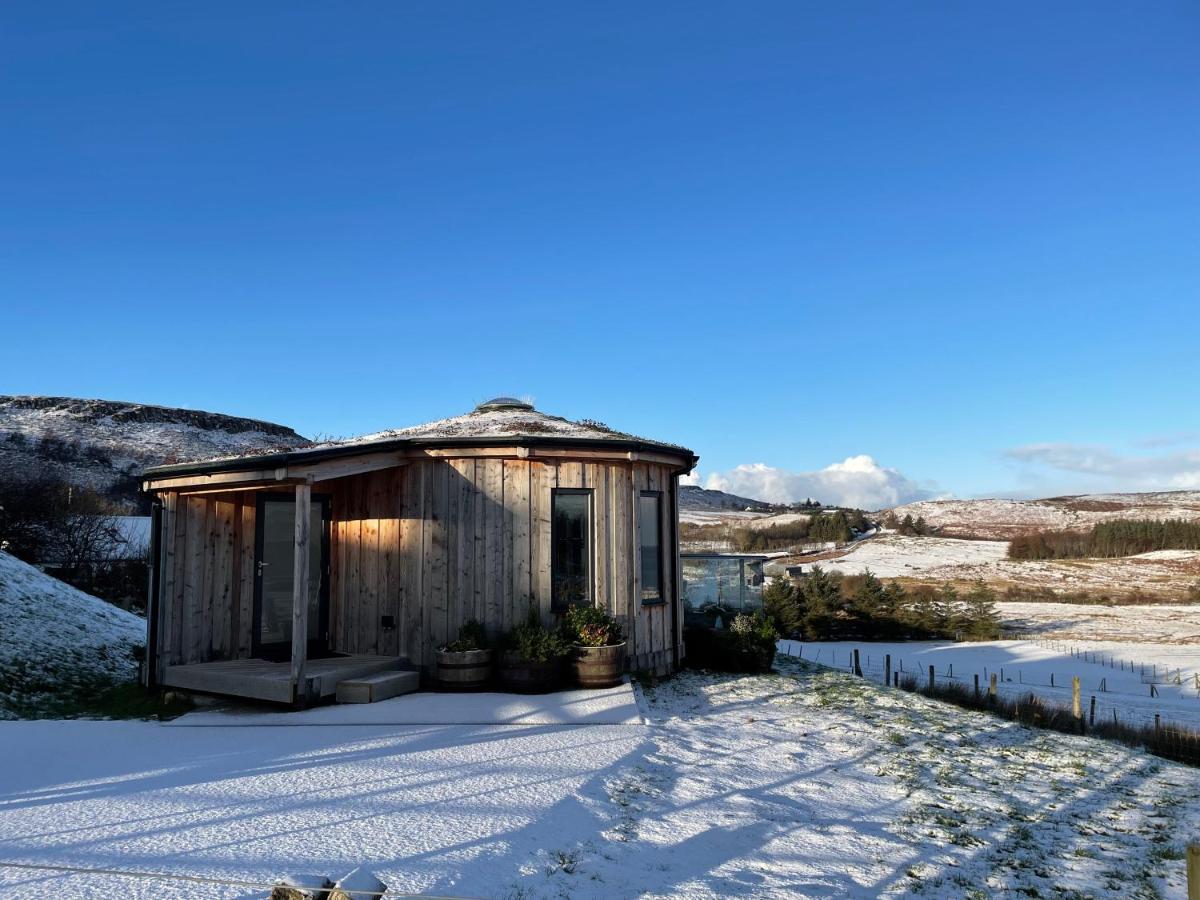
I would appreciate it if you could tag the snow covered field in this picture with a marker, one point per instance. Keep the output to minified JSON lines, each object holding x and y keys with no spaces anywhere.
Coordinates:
{"x":1117,"y":674}
{"x":897,"y":556}
{"x":1004,"y":518}
{"x":950,"y":559}
{"x":812,"y":783}
{"x":57,"y":639}
{"x":1162,"y":623}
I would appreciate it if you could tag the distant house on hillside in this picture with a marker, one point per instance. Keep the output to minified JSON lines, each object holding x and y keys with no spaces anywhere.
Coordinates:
{"x":407,"y":534}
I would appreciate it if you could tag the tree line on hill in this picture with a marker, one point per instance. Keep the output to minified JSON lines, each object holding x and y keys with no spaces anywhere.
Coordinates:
{"x":907,"y":526}
{"x":836,"y":527}
{"x":826,"y":606}
{"x":1119,"y":537}
{"x":74,"y":533}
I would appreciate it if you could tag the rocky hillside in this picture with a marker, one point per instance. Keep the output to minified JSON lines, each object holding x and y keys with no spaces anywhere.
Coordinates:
{"x":1002,"y":519}
{"x":695,"y":498}
{"x":105,"y":444}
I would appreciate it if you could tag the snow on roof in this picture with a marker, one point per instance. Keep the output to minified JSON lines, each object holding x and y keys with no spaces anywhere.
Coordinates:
{"x":505,"y":417}
{"x":497,"y":419}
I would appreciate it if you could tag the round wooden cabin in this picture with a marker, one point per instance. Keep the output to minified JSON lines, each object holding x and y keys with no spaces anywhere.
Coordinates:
{"x":408,"y":534}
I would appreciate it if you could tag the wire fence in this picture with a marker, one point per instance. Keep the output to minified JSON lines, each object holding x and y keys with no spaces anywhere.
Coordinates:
{"x":1058,"y":701}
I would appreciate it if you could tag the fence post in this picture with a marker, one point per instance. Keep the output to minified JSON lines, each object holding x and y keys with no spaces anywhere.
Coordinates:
{"x":896,"y":679}
{"x":857,"y":667}
{"x":976,"y":684}
{"x":931,"y":679}
{"x":887,"y":668}
{"x":992,"y":688}
{"x":1051,"y":679}
{"x":1092,"y":713}
{"x":1104,"y":685}
{"x":1076,"y":705}
{"x":1193,"y":870}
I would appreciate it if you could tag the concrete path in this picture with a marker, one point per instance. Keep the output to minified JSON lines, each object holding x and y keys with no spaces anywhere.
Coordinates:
{"x":614,"y":706}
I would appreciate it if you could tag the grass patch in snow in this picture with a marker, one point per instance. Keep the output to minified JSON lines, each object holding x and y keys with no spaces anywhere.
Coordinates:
{"x":64,"y":653}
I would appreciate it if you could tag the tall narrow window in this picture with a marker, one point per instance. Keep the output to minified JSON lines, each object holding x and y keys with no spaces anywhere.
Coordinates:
{"x":570,"y":539}
{"x":650,"y":526}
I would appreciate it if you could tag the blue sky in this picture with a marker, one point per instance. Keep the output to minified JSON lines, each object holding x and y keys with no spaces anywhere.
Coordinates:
{"x":961,"y":239}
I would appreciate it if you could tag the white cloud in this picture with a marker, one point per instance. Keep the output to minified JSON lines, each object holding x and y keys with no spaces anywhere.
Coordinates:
{"x":1106,"y":469}
{"x":692,"y":478}
{"x":856,"y":481}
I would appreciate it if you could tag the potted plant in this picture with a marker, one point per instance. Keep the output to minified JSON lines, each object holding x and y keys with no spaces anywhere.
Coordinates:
{"x":533,"y":657}
{"x":465,"y":664}
{"x":599,"y":646}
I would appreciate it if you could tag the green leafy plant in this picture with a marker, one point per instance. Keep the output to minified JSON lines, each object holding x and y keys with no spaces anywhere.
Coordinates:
{"x":534,"y":643}
{"x":590,"y":626}
{"x":471,"y":636}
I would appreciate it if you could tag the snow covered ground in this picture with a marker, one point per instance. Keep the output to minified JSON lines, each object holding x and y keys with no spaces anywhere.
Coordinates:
{"x":896,"y":556}
{"x":811,"y":783}
{"x":1162,"y":623}
{"x":1167,"y":572}
{"x":1004,"y":518}
{"x":55,"y":639}
{"x":1117,"y":674}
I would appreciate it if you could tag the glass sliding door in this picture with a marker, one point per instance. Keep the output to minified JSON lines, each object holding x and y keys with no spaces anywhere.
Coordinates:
{"x":274,"y":576}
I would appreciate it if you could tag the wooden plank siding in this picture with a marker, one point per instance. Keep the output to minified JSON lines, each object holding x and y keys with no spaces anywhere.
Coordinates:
{"x":207,"y":579}
{"x":430,"y":544}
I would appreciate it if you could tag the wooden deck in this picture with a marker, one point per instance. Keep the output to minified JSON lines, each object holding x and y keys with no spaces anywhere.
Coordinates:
{"x":259,"y":679}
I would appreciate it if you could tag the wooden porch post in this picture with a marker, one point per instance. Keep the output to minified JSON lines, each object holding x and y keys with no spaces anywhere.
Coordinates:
{"x":300,"y":591}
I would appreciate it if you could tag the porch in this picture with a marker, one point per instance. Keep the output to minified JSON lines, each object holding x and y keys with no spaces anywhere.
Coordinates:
{"x":260,"y":679}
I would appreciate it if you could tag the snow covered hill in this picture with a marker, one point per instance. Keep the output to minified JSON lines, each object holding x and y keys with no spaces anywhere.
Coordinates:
{"x":1166,"y":574}
{"x":105,"y":444}
{"x":58,"y":640}
{"x":1001,"y":519}
{"x":695,"y":499}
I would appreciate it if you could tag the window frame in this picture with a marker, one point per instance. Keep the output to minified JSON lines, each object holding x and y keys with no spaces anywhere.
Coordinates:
{"x":557,"y":605}
{"x":658,"y":532}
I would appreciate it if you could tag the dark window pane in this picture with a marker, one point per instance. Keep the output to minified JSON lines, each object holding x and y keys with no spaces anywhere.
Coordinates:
{"x":569,"y":535}
{"x":649,"y":511}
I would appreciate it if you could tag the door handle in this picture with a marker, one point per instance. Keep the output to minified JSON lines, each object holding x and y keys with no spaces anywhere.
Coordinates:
{"x":260,"y":567}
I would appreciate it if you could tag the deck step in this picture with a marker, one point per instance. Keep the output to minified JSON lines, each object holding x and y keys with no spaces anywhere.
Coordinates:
{"x":371,"y":688}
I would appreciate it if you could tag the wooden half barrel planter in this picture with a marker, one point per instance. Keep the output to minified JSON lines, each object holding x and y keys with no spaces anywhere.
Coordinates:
{"x":599,"y":667}
{"x":525,"y":677}
{"x":463,"y":670}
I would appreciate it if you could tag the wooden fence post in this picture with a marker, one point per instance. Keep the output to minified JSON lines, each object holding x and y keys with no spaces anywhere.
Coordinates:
{"x":1076,"y":706}
{"x":1193,"y":871}
{"x":1092,"y":713}
{"x":896,"y":678}
{"x":857,"y":667}
{"x":992,"y":689}
{"x":976,"y":684}
{"x":887,"y":668}
{"x":931,"y":676}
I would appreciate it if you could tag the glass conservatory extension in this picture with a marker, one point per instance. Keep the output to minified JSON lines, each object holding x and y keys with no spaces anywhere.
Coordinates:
{"x":721,"y":580}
